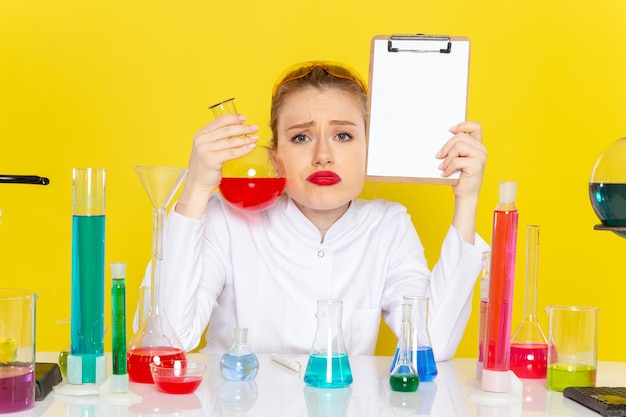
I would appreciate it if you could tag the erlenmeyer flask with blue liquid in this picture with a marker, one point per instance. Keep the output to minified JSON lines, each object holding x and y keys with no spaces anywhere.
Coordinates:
{"x":421,"y":347}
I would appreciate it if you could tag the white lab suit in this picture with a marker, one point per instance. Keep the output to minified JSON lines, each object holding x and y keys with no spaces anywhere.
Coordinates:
{"x":266,"y":270}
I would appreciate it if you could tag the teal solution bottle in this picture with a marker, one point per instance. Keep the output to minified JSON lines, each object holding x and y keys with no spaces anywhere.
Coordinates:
{"x":328,"y":365}
{"x":404,"y":377}
{"x":119,"y":378}
{"x":86,"y":363}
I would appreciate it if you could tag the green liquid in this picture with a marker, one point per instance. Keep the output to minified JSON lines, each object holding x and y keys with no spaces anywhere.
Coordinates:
{"x":87,"y":312}
{"x":118,"y":324}
{"x":404,"y":382}
{"x":319,"y":374}
{"x":561,"y":376}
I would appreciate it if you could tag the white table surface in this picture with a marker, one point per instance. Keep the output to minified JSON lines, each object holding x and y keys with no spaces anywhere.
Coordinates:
{"x":281,"y":392}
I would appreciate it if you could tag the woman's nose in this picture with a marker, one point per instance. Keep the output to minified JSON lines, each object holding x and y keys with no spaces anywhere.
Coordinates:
{"x":323,"y":154}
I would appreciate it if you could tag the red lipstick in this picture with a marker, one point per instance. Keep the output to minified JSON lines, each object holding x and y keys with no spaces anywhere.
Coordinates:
{"x":324,"y":178}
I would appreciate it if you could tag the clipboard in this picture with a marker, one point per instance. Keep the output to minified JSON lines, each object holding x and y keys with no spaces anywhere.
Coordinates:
{"x":417,"y":92}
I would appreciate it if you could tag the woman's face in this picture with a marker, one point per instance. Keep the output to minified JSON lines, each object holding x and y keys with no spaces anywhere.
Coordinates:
{"x":321,"y":148}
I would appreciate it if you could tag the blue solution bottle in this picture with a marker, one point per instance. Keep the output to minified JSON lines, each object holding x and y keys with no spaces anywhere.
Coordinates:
{"x":239,"y":363}
{"x":421,"y":351}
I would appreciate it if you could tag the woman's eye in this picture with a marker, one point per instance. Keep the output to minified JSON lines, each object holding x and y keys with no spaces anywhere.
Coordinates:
{"x":299,"y":138}
{"x":344,"y":137}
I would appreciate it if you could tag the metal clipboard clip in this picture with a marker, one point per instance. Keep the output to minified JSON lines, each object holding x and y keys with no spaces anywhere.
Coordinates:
{"x":419,"y":37}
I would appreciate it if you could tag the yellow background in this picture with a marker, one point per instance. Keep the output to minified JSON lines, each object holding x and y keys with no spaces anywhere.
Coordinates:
{"x":120,"y":83}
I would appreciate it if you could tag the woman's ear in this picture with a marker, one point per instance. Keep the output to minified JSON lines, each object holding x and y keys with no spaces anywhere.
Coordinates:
{"x":278,"y":165}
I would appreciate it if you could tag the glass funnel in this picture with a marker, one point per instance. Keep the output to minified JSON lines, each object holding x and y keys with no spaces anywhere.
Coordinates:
{"x":529,"y":347}
{"x":607,"y":188}
{"x":155,"y":337}
{"x":250,"y":182}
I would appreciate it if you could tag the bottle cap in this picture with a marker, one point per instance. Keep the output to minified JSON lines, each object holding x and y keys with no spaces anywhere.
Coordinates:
{"x":507,"y":192}
{"x":118,"y":270}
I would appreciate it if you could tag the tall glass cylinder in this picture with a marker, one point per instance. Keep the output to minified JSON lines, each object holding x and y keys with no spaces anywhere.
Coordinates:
{"x":86,"y":363}
{"x":495,"y":375}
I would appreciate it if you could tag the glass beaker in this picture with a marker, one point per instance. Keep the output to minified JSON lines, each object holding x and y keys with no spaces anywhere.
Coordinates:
{"x":328,"y":365}
{"x":17,"y":349}
{"x":529,"y":347}
{"x":86,"y":363}
{"x":155,"y":337}
{"x":572,"y":347}
{"x":250,"y":182}
{"x":422,"y":356}
{"x":404,"y":377}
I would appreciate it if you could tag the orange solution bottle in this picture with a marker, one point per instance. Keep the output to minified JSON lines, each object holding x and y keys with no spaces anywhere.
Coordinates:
{"x":495,"y":374}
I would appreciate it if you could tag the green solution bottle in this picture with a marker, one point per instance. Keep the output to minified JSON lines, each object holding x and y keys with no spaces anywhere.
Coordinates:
{"x":404,"y":376}
{"x":119,"y":379}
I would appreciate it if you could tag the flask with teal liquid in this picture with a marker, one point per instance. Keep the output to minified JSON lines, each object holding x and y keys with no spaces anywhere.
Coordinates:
{"x":328,"y":365}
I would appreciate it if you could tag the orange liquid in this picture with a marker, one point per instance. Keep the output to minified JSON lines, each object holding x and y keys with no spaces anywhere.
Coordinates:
{"x":139,"y":360}
{"x":252,"y":194}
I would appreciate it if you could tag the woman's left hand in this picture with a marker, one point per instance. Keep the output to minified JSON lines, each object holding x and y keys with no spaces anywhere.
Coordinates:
{"x":465,"y":152}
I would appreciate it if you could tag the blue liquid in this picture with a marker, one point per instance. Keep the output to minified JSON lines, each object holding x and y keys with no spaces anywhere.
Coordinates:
{"x":609,"y":203}
{"x":239,"y":367}
{"x":318,"y":374}
{"x":87,"y":311}
{"x":423,"y":360}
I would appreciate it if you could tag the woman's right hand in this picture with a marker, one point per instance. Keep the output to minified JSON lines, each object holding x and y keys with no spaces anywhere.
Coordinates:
{"x":219,"y":141}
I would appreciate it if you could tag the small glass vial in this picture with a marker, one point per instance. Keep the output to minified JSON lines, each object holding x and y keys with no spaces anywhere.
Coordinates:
{"x":404,"y":376}
{"x":119,"y":377}
{"x":239,"y":363}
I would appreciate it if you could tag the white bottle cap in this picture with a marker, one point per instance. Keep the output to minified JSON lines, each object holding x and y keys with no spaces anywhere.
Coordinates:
{"x":507,"y":192}
{"x":118,"y":270}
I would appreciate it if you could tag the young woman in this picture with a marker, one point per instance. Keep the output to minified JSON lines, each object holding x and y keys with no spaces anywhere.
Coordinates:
{"x":265,"y":270}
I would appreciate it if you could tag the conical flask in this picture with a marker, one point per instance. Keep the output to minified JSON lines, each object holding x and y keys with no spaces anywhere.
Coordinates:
{"x":404,"y":377}
{"x":249,"y":182}
{"x":328,"y":365}
{"x":421,"y":350}
{"x":529,"y":347}
{"x":155,"y":337}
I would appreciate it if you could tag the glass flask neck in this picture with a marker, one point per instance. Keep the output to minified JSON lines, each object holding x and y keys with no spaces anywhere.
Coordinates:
{"x":532,"y":270}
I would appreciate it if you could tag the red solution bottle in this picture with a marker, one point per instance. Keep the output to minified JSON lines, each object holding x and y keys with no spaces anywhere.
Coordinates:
{"x":529,"y":347}
{"x":495,"y":375}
